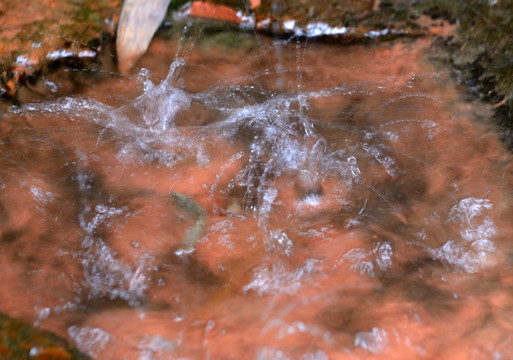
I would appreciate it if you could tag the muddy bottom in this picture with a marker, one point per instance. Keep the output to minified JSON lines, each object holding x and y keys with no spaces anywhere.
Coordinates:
{"x":277,"y":200}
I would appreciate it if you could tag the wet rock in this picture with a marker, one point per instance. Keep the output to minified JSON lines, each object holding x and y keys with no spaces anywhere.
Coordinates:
{"x":204,"y":9}
{"x":20,"y":340}
{"x":482,"y":51}
{"x":348,"y":21}
{"x":345,"y":20}
{"x":39,"y":38}
{"x":36,"y":37}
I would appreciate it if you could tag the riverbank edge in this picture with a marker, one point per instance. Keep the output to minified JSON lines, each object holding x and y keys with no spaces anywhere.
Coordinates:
{"x":477,"y":50}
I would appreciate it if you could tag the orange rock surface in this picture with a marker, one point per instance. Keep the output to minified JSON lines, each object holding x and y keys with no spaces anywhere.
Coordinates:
{"x":204,"y":9}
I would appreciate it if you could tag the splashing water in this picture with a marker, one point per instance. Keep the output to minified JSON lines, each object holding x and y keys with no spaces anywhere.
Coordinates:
{"x":277,"y":201}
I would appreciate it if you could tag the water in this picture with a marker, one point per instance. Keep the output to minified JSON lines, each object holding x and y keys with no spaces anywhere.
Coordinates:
{"x":279,"y":200}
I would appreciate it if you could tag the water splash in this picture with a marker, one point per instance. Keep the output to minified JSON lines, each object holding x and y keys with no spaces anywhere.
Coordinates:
{"x":280,"y":280}
{"x":365,"y":261}
{"x":320,"y":194}
{"x":375,"y":341}
{"x":478,"y":251}
{"x":155,"y":347}
{"x":92,"y":341}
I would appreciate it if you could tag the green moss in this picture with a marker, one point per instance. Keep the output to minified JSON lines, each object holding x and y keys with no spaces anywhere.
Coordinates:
{"x":19,"y":341}
{"x":209,"y":33}
{"x":484,"y":49}
{"x":69,"y":24}
{"x":234,"y":40}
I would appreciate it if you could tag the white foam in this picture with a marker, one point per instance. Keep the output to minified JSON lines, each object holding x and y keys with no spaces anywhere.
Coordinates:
{"x":387,"y":162}
{"x":87,"y":53}
{"x":358,"y":259}
{"x":353,"y":167}
{"x":268,"y":198}
{"x":476,"y":230}
{"x":102,"y":214}
{"x":375,"y":341}
{"x":289,"y":25}
{"x":323,"y":29}
{"x":41,"y":196}
{"x":364,"y":261}
{"x":159,"y":107}
{"x":312,"y":29}
{"x":377,"y":33}
{"x":280,"y":280}
{"x":107,"y":276}
{"x":278,"y":240}
{"x":467,"y":209}
{"x":60,"y":54}
{"x":462,"y":258}
{"x":384,"y":254}
{"x":155,"y":347}
{"x":486,"y":230}
{"x":23,"y":60}
{"x":104,"y":274}
{"x":91,"y":341}
{"x":65,"y":53}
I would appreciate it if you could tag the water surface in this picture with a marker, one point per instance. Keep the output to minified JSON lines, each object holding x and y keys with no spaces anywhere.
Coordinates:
{"x":276,"y":200}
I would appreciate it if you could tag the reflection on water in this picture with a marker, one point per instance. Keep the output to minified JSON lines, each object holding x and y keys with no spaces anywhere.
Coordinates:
{"x":281,"y":201}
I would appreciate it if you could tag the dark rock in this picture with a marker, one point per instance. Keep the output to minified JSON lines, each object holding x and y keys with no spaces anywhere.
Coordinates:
{"x":37,"y":37}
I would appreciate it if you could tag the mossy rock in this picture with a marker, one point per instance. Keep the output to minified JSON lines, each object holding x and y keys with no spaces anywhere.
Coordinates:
{"x":35,"y":35}
{"x":483,"y":49}
{"x":365,"y":20}
{"x":19,"y":341}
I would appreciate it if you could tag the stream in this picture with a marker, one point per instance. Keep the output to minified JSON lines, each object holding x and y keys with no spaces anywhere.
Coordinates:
{"x":278,"y":199}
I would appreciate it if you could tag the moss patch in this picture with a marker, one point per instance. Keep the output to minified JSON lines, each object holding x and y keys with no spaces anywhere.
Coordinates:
{"x":19,"y":340}
{"x":483,"y":50}
{"x":32,"y":33}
